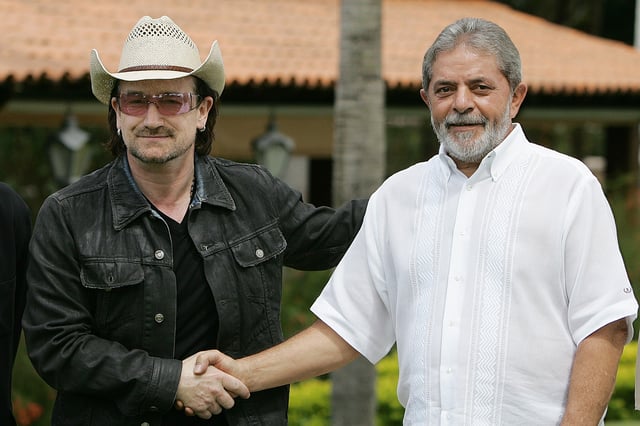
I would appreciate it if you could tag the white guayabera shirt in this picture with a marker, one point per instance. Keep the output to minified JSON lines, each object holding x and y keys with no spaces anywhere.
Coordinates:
{"x":487,"y":284}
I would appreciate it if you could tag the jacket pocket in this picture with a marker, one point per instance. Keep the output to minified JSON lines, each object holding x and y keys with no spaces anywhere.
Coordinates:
{"x":109,"y":274}
{"x":256,"y":248}
{"x":258,"y":275}
{"x":118,"y":293}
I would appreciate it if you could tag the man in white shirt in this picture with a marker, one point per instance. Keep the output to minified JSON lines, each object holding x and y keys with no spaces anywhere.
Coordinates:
{"x":494,"y":266}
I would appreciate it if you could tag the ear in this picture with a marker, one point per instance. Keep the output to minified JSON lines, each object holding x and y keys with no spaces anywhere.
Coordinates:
{"x":203,"y":109}
{"x":114,"y":105}
{"x":518,"y":97}
{"x":425,"y":98}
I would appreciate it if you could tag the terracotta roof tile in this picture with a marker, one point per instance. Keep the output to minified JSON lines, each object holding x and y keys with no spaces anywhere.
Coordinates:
{"x":297,"y":41}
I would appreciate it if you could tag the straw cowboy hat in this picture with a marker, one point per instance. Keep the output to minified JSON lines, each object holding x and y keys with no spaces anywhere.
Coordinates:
{"x":157,"y":49}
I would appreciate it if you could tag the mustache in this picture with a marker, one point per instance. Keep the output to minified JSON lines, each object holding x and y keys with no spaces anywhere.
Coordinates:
{"x":156,"y":131}
{"x":456,"y":119}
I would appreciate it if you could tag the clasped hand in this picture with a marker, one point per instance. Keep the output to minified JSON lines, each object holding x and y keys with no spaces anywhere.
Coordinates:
{"x":206,"y":387}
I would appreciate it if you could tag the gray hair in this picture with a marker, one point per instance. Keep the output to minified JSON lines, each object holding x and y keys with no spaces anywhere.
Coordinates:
{"x":482,"y":36}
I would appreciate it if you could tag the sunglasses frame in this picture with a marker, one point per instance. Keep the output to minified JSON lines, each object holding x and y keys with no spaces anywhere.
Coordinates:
{"x":143,"y":101}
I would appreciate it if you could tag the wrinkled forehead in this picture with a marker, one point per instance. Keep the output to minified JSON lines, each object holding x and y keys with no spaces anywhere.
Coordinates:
{"x":464,"y":60}
{"x":184,"y":84}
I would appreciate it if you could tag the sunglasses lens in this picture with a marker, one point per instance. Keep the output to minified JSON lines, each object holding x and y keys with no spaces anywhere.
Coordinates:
{"x":133,"y":104}
{"x":173,"y":103}
{"x":137,"y":104}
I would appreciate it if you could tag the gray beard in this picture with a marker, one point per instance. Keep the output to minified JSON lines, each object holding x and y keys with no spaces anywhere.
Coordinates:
{"x":461,"y":147}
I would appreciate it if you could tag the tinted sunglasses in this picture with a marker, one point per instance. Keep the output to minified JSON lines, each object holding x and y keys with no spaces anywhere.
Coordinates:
{"x":137,"y":104}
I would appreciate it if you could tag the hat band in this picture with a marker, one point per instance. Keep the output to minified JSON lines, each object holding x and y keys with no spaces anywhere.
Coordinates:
{"x":157,"y":68}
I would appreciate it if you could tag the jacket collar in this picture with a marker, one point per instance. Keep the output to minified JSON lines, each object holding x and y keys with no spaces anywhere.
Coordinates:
{"x":210,"y":189}
{"x":128,"y":202}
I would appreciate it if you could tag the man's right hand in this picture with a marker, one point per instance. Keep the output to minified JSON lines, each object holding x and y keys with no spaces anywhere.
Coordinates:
{"x":218,"y":360}
{"x":314,"y":351}
{"x":208,"y":392}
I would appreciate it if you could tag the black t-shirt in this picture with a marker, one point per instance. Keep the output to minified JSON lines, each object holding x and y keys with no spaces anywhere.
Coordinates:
{"x":197,"y":317}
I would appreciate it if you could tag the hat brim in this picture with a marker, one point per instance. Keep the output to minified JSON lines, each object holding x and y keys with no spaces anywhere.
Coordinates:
{"x":211,"y":71}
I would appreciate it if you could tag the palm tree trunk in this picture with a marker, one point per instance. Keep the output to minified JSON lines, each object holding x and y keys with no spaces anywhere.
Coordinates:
{"x":359,"y":167}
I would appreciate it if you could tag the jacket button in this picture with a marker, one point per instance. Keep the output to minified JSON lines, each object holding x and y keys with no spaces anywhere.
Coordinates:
{"x":259,"y":253}
{"x":159,"y":254}
{"x":159,"y":318}
{"x":144,"y":424}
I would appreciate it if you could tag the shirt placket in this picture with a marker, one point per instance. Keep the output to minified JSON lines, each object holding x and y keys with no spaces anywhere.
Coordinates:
{"x":456,"y":293}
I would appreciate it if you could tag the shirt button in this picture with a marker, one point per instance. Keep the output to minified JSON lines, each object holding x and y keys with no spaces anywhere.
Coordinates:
{"x":159,"y":318}
{"x":159,"y":254}
{"x":469,"y":187}
{"x":259,"y":253}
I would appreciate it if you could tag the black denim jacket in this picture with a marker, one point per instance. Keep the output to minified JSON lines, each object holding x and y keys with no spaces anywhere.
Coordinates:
{"x":101,"y":309}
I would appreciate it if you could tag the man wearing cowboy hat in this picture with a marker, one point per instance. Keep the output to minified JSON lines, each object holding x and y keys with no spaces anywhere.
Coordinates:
{"x":165,"y":252}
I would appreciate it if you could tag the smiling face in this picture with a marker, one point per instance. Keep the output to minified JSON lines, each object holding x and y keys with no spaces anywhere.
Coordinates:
{"x":154,"y":138}
{"x":471,"y":103}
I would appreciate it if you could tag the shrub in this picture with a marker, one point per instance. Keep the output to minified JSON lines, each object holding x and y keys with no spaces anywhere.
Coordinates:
{"x":309,"y":404}
{"x":32,"y":397}
{"x":310,"y":399}
{"x":621,"y":406}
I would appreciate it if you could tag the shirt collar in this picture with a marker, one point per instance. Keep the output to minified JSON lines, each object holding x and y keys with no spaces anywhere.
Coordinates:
{"x":496,"y":161}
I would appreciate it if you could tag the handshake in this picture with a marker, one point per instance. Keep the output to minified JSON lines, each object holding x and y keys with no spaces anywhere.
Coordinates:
{"x":211,"y":380}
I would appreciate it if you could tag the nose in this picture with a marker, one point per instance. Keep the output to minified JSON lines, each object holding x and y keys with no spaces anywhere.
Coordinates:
{"x":463,"y":101}
{"x":152,"y":117}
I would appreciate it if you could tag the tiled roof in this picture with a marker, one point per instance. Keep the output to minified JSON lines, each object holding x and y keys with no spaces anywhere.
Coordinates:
{"x":297,"y":42}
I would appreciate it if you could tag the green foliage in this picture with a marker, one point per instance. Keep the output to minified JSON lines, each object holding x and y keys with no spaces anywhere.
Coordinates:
{"x":627,"y":215}
{"x":24,"y":160}
{"x":622,"y":401}
{"x":22,"y":151}
{"x":32,"y":397}
{"x":299,"y":290}
{"x":310,"y":400}
{"x":309,"y":403}
{"x":406,"y":146}
{"x":389,"y":410}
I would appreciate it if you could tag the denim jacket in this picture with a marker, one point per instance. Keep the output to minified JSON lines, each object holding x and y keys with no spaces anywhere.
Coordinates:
{"x":101,"y":309}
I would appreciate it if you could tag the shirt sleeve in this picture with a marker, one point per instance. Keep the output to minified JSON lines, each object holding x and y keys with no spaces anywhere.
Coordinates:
{"x":354,"y":303}
{"x":598,"y":288}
